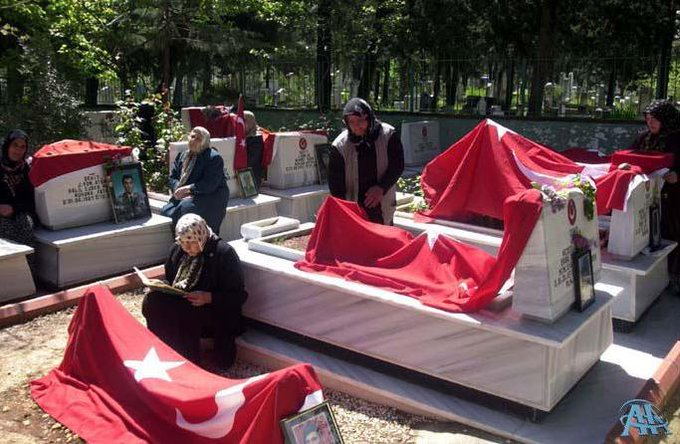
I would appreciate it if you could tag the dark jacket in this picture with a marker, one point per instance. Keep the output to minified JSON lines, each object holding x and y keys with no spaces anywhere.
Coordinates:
{"x":23,"y":201}
{"x":208,"y":186}
{"x":223,"y":277}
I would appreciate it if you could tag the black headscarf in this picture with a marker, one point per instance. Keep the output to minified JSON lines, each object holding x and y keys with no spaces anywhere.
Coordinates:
{"x":359,"y":107}
{"x":669,"y":117}
{"x":11,"y":137}
{"x":13,"y":173}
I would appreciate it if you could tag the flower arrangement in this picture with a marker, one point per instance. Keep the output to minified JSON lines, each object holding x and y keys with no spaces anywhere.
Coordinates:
{"x":557,"y":194}
{"x":557,"y":201}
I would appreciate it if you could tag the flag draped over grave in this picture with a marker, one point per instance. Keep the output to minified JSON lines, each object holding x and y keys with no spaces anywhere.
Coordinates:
{"x":437,"y":270}
{"x":491,"y":163}
{"x":67,"y":156}
{"x":118,"y":383}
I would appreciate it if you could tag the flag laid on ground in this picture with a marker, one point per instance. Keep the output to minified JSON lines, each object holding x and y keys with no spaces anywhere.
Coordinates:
{"x":118,"y":383}
{"x":437,"y":270}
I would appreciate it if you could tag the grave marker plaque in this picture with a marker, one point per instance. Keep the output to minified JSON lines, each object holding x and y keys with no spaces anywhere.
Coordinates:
{"x":420,"y":141}
{"x":629,"y":229}
{"x":294,"y":160}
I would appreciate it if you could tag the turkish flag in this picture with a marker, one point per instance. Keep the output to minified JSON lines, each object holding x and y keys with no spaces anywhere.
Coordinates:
{"x":118,"y":383}
{"x":241,"y":155}
{"x":438,"y":271}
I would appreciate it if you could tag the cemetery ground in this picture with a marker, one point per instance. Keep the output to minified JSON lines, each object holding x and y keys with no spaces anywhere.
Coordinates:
{"x":30,"y":350}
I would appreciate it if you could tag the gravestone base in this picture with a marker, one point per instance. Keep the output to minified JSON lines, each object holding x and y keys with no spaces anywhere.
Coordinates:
{"x":82,"y":254}
{"x":500,"y":353}
{"x":15,"y":273}
{"x":300,"y":203}
{"x":238,"y":212}
{"x":640,"y":280}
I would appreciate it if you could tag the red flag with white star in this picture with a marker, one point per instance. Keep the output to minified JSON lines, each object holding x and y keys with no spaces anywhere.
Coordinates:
{"x":118,"y":383}
{"x":241,"y":155}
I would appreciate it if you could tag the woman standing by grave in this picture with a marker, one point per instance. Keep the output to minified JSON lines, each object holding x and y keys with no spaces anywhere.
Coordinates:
{"x":209,"y":269}
{"x":365,"y":162}
{"x":198,"y":183}
{"x":17,"y":202}
{"x":663,"y":134}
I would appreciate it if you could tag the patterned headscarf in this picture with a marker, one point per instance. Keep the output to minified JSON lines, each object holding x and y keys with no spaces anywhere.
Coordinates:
{"x":191,"y":228}
{"x":14,"y":172}
{"x":669,"y":117}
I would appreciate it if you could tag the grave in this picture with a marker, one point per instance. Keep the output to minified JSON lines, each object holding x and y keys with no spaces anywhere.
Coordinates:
{"x":299,"y":203}
{"x":496,"y":351}
{"x":81,"y":254}
{"x":629,"y":229}
{"x":15,"y":273}
{"x":420,"y":141}
{"x":294,"y":160}
{"x":238,"y":212}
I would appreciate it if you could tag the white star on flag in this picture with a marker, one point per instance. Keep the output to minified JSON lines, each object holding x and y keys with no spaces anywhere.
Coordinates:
{"x":152,"y":367}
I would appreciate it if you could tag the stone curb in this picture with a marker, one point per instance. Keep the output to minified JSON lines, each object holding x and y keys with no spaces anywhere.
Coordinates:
{"x":18,"y":312}
{"x":658,"y":390}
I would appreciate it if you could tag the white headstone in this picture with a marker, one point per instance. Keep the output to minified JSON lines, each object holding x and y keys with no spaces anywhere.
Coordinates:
{"x":421,"y":141}
{"x":294,"y":160}
{"x":227,"y":148}
{"x":544,"y":284}
{"x":75,"y":199}
{"x":629,"y":229}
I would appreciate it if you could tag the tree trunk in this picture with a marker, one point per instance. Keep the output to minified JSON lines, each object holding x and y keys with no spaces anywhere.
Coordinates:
{"x":543,"y":63}
{"x":91,"y":89}
{"x":177,"y":99}
{"x":165,"y":84}
{"x":386,"y":83}
{"x":436,"y":87}
{"x":611,"y":85}
{"x":323,"y":56}
{"x":452,"y":83}
{"x":665,"y":55}
{"x":509,"y":86}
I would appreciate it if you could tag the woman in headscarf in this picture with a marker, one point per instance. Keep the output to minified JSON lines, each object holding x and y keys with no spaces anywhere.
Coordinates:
{"x":365,"y":162}
{"x":17,"y":202}
{"x":209,"y":269}
{"x":663,"y":134}
{"x":198,"y":182}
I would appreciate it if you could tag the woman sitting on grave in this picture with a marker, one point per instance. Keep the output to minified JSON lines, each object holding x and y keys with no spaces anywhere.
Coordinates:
{"x":663,"y":134}
{"x":17,"y":204}
{"x":209,"y":269}
{"x":198,"y":183}
{"x":365,"y":162}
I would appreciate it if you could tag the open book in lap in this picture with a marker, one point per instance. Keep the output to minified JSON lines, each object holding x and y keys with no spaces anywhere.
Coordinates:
{"x":158,"y":285}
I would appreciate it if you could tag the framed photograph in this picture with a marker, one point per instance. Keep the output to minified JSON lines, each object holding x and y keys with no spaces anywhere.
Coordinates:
{"x":654,"y":227}
{"x":128,"y":192}
{"x":313,"y":426}
{"x":323,"y":152}
{"x":584,"y":282}
{"x":247,"y":181}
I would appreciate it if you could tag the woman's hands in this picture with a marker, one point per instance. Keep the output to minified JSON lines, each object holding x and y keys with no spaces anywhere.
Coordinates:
{"x":182,"y":192}
{"x":198,"y":298}
{"x":6,"y":210}
{"x":373,"y":196}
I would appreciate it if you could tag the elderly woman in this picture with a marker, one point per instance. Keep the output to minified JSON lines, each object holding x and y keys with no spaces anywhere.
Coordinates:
{"x":663,"y":134}
{"x":198,"y":182}
{"x":209,"y":269}
{"x":365,"y":162}
{"x":17,"y":204}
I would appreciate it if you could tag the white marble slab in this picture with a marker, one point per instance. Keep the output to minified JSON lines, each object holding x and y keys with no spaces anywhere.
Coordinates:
{"x":15,"y":273}
{"x":584,"y":415}
{"x":238,"y":212}
{"x":82,"y":254}
{"x":74,"y":199}
{"x":501,"y":353}
{"x":421,"y":141}
{"x":300,"y":203}
{"x":294,"y":160}
{"x":629,"y":229}
{"x":265,"y":246}
{"x":641,"y":279}
{"x":266,"y":227}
